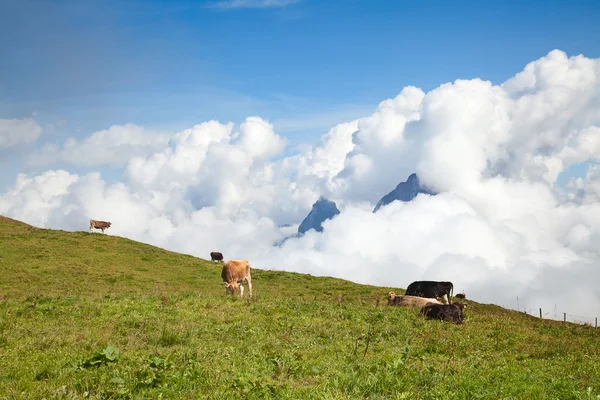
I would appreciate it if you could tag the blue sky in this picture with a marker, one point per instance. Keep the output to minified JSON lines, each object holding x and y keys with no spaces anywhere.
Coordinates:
{"x":305,"y":65}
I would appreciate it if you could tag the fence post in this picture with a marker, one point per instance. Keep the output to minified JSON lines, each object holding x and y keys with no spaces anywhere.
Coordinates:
{"x":565,"y":315}
{"x":596,"y":323}
{"x":540,"y":313}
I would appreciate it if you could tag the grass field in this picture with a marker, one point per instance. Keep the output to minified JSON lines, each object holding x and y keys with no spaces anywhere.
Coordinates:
{"x":95,"y":316}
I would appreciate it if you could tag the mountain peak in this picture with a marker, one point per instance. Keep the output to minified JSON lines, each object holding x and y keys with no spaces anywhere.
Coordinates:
{"x":405,"y":191}
{"x":412,"y":178}
{"x":322,"y":210}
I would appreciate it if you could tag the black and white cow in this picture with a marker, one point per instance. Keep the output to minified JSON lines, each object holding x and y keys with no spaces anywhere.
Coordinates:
{"x":432,"y":290}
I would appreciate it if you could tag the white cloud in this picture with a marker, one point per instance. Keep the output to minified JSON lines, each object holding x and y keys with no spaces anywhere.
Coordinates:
{"x":499,"y":229}
{"x":14,"y":132}
{"x":113,"y":147}
{"x":228,"y":4}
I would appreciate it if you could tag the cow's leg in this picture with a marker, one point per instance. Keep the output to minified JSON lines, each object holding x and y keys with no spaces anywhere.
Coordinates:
{"x":249,"y":280}
{"x":241,"y":290}
{"x":445,"y":299}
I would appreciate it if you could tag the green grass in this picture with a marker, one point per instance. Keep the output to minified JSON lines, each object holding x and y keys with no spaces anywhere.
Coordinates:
{"x":94,"y":316}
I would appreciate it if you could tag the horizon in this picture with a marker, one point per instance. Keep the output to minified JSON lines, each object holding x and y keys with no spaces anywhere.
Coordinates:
{"x":215,"y":125}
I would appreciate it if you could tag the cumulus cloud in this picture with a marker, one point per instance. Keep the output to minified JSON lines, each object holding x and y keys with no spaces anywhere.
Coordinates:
{"x":500,"y":227}
{"x":14,"y":132}
{"x":112,"y":147}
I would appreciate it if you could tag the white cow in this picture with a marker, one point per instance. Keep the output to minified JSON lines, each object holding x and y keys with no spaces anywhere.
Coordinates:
{"x":409,"y":301}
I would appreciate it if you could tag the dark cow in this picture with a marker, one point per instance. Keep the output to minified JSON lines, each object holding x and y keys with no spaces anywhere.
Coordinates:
{"x":216,"y":256}
{"x":102,"y":225}
{"x":432,"y":290}
{"x":461,"y":296}
{"x":445,"y":312}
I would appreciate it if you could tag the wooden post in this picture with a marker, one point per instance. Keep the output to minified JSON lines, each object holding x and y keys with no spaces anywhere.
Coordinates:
{"x":596,"y":323}
{"x":540,"y":312}
{"x":565,"y":319}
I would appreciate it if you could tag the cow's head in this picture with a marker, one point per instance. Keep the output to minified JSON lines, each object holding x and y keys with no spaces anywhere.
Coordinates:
{"x":391,"y":297}
{"x":231,"y":287}
{"x":109,"y":224}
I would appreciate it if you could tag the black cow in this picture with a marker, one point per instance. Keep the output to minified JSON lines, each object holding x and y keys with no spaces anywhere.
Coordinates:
{"x":461,"y":296}
{"x":431,"y":289}
{"x":216,"y":256}
{"x":445,"y":312}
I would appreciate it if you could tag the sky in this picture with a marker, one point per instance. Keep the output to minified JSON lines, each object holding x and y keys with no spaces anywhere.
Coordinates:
{"x":218,"y":122}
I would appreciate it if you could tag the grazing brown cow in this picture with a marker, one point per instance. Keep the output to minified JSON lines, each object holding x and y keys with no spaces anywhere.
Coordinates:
{"x":233,"y":273}
{"x":216,"y":256}
{"x":409,"y":301}
{"x":99,"y":225}
{"x":445,"y":312}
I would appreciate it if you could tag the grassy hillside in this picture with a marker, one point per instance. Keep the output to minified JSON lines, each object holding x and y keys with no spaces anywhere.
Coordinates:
{"x":94,"y":316}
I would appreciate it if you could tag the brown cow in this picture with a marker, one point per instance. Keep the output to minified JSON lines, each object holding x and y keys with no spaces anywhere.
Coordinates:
{"x":409,"y":301}
{"x":445,"y":312}
{"x":99,"y":225}
{"x":216,"y":256}
{"x":233,"y":273}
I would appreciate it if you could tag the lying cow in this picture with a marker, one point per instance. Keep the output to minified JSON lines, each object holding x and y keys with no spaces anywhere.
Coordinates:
{"x":409,"y":301}
{"x":233,"y":273}
{"x":216,"y":256}
{"x":432,"y":290}
{"x":99,"y":225}
{"x":445,"y":312}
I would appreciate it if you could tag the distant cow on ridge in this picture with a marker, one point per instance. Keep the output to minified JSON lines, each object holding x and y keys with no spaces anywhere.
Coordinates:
{"x":233,"y":274}
{"x":99,"y":225}
{"x":431,"y":289}
{"x":216,"y":256}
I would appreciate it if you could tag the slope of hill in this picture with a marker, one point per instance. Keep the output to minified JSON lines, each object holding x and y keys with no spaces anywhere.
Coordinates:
{"x":94,"y":316}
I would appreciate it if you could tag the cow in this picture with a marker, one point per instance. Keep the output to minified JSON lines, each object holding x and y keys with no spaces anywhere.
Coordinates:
{"x":216,"y":256}
{"x":409,"y":301}
{"x":461,"y":296}
{"x":99,"y":225}
{"x":445,"y":312}
{"x":233,"y":274}
{"x":431,"y":289}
